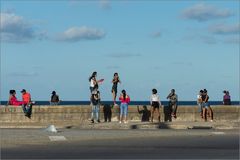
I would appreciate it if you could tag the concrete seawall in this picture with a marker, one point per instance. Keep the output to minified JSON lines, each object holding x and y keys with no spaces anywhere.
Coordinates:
{"x":77,"y":115}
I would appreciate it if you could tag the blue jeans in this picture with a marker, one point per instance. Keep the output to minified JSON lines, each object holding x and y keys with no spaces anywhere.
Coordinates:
{"x":123,"y":109}
{"x":205,"y":105}
{"x":27,"y":109}
{"x":95,"y":112}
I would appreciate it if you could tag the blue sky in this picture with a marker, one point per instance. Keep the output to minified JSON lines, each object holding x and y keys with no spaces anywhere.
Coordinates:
{"x":56,"y":45}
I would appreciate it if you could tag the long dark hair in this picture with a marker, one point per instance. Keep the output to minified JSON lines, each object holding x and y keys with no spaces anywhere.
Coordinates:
{"x":124,"y":94}
{"x":12,"y":91}
{"x":93,"y":75}
{"x":115,"y":74}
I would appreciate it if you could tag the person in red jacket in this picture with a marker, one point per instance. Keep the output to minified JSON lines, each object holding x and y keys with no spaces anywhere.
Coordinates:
{"x":27,"y":108}
{"x":13,"y":99}
{"x":125,"y":99}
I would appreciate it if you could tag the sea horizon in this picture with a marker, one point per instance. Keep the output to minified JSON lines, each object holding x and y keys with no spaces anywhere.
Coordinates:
{"x":185,"y":103}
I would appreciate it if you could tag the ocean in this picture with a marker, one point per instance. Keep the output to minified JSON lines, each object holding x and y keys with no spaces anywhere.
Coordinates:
{"x":185,"y":103}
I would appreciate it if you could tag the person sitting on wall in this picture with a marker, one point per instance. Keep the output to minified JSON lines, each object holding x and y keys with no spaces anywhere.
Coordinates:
{"x":13,"y":99}
{"x":27,"y":108}
{"x":226,"y":98}
{"x":54,"y":99}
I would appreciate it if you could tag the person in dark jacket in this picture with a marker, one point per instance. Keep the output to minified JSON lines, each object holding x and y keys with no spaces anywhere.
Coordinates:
{"x":54,"y":99}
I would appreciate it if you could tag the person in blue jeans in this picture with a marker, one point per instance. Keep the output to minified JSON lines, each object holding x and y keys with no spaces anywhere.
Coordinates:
{"x":95,"y":100}
{"x":124,"y":99}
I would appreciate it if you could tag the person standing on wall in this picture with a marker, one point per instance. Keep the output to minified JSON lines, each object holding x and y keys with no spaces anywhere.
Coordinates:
{"x":155,"y":104}
{"x":115,"y":82}
{"x":125,"y":99}
{"x":173,"y":102}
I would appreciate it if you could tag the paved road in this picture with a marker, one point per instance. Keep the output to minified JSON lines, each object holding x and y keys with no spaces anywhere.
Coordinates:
{"x":120,"y":144}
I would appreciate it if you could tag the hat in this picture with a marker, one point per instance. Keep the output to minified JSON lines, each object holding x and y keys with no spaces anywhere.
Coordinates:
{"x":23,"y":90}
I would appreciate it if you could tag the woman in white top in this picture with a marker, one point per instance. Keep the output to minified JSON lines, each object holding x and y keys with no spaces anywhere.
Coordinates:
{"x":155,"y":104}
{"x":199,"y":102}
{"x":93,"y":81}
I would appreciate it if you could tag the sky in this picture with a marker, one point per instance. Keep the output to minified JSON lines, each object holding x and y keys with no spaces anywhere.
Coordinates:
{"x":57,"y":44}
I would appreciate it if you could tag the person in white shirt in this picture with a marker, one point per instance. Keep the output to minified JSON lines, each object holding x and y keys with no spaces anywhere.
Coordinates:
{"x":199,"y":102}
{"x":155,"y":104}
{"x":93,"y":81}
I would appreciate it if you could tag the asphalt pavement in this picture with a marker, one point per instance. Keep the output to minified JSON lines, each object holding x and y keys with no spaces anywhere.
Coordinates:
{"x":77,"y":143}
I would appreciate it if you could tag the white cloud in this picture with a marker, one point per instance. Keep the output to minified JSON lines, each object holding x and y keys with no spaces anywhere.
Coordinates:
{"x":203,"y":12}
{"x":105,"y":4}
{"x":16,"y":29}
{"x":225,"y":29}
{"x":75,"y":34}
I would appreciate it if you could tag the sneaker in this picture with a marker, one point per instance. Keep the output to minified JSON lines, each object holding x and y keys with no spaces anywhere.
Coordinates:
{"x":211,"y":120}
{"x":120,"y":122}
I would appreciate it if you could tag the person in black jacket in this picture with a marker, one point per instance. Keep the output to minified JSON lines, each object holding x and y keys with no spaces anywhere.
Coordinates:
{"x":54,"y":99}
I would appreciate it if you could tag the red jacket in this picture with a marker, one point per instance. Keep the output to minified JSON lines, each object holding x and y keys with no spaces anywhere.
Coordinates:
{"x":127,"y":99}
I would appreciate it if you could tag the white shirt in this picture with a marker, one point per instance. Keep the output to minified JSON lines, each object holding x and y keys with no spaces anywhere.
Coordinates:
{"x":199,"y":96}
{"x":92,"y":83}
{"x":155,"y":98}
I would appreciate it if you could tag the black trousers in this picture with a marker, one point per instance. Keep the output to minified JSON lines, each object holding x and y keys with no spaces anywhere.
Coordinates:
{"x":107,"y":112}
{"x":27,"y":109}
{"x":167,"y":113}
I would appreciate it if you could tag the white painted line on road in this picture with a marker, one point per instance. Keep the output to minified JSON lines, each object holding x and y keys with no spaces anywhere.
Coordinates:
{"x":218,"y":133}
{"x":57,"y":138}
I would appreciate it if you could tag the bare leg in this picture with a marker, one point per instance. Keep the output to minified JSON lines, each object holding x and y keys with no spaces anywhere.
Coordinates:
{"x":125,"y":119}
{"x":120,"y":119}
{"x":210,"y":112}
{"x":158,"y":113}
{"x":204,"y":114}
{"x":114,"y":97}
{"x":152,"y":113}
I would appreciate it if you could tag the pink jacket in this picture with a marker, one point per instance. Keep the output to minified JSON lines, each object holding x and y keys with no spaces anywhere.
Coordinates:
{"x":127,"y":99}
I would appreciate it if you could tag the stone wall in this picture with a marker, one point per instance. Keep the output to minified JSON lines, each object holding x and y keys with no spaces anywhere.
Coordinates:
{"x":81,"y":114}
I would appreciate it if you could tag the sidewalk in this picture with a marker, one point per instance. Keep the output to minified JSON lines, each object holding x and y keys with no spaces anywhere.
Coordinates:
{"x":130,"y":125}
